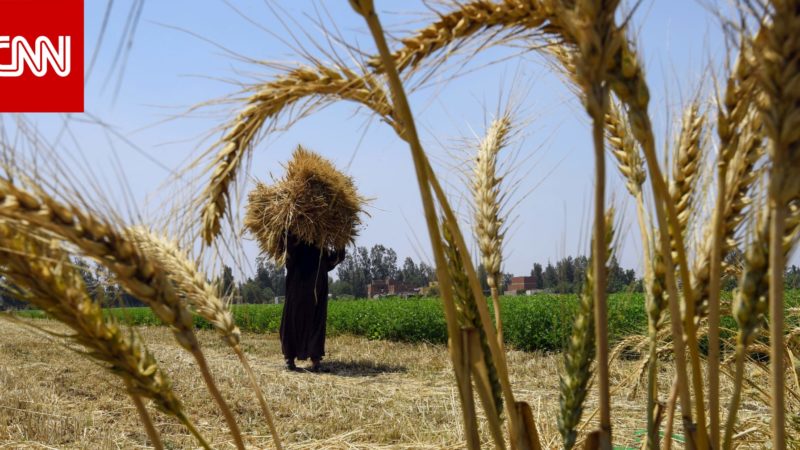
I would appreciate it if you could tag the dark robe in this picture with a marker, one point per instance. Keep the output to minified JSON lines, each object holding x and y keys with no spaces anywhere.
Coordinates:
{"x":306,"y":308}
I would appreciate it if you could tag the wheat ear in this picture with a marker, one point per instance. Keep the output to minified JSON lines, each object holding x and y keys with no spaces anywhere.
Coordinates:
{"x":140,"y":276}
{"x":732,"y":115}
{"x":629,"y":85}
{"x":777,"y":49}
{"x":751,"y":297}
{"x":468,"y":319}
{"x":204,"y":298}
{"x":457,"y":346}
{"x":591,"y":27}
{"x":468,"y":20}
{"x":44,"y":276}
{"x":578,"y":356}
{"x":686,"y":163}
{"x":267,"y":102}
{"x":523,"y":430}
{"x":487,"y":202}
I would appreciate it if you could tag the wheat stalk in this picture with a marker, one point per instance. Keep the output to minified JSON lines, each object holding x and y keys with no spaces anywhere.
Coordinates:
{"x":468,"y":318}
{"x":487,"y":202}
{"x":578,"y":356}
{"x":267,"y":102}
{"x":204,"y":298}
{"x":733,"y":129}
{"x":629,"y":85}
{"x":457,"y":347}
{"x":523,"y":429}
{"x":751,"y":298}
{"x":591,"y":27}
{"x":777,"y":49}
{"x":140,"y":276}
{"x":44,"y":277}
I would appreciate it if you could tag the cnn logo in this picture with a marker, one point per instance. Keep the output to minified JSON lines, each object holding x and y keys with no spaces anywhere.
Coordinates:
{"x":37,"y":58}
{"x":41,"y":56}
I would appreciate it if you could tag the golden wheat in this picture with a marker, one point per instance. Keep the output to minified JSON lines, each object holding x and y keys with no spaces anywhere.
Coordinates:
{"x":686,"y":163}
{"x":468,"y":319}
{"x":488,"y":198}
{"x":267,"y":102}
{"x":204,"y":298}
{"x":777,"y":49}
{"x":578,"y":356}
{"x":140,"y":276}
{"x":43,"y":275}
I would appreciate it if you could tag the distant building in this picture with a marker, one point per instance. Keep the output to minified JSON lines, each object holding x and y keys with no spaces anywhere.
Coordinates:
{"x":431,"y":290}
{"x":522,"y":284}
{"x":379,"y":288}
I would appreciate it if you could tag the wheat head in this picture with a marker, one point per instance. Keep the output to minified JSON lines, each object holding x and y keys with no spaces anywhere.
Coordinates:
{"x":141,"y":277}
{"x":267,"y":102}
{"x":43,"y":275}
{"x":488,"y":197}
{"x":579,"y":354}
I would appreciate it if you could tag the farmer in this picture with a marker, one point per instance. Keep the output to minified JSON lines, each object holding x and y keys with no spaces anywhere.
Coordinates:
{"x":306,"y":309}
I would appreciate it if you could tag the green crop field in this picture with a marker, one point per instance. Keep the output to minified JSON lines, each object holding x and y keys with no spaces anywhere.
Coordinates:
{"x":538,"y":322}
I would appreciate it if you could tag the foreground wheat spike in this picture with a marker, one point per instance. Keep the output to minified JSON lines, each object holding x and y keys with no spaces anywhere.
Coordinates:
{"x":204,"y":298}
{"x":487,"y":202}
{"x":751,"y":298}
{"x":468,"y":319}
{"x":189,"y":280}
{"x":140,"y":276}
{"x":524,"y":434}
{"x":740,"y":180}
{"x":470,"y":19}
{"x":267,"y":102}
{"x":578,"y":356}
{"x":42,"y":275}
{"x":733,"y":129}
{"x":590,"y":26}
{"x":741,"y":146}
{"x":686,"y":163}
{"x":624,"y":149}
{"x":629,"y":85}
{"x":777,"y":49}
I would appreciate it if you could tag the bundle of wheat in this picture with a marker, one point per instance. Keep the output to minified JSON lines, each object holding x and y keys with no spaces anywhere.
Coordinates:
{"x":314,"y":201}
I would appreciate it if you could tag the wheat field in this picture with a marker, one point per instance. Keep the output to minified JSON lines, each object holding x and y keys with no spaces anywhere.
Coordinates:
{"x":379,"y":395}
{"x":724,"y":186}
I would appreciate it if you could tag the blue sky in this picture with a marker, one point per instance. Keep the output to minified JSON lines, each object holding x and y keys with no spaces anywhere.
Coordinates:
{"x":177,"y":60}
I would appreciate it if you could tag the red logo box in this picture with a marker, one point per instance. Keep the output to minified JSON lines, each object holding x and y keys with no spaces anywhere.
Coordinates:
{"x":41,"y":56}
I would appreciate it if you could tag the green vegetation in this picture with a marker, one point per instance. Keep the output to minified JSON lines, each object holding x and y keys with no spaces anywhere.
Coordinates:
{"x":539,"y":322}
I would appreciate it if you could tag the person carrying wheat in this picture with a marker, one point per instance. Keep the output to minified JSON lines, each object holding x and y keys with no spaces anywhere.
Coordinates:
{"x":305,"y":220}
{"x":305,"y":312}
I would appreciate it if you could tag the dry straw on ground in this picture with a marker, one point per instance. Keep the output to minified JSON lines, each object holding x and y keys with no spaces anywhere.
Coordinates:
{"x":379,"y":395}
{"x":314,"y":201}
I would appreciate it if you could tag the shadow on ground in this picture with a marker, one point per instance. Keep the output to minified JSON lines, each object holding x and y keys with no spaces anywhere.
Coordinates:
{"x":360,"y":368}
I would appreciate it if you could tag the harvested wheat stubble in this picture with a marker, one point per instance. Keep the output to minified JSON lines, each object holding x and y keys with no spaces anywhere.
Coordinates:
{"x":381,"y":395}
{"x":314,"y":201}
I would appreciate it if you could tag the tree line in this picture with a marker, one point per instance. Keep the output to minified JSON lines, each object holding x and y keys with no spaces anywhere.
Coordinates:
{"x":362,"y":266}
{"x":568,"y":275}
